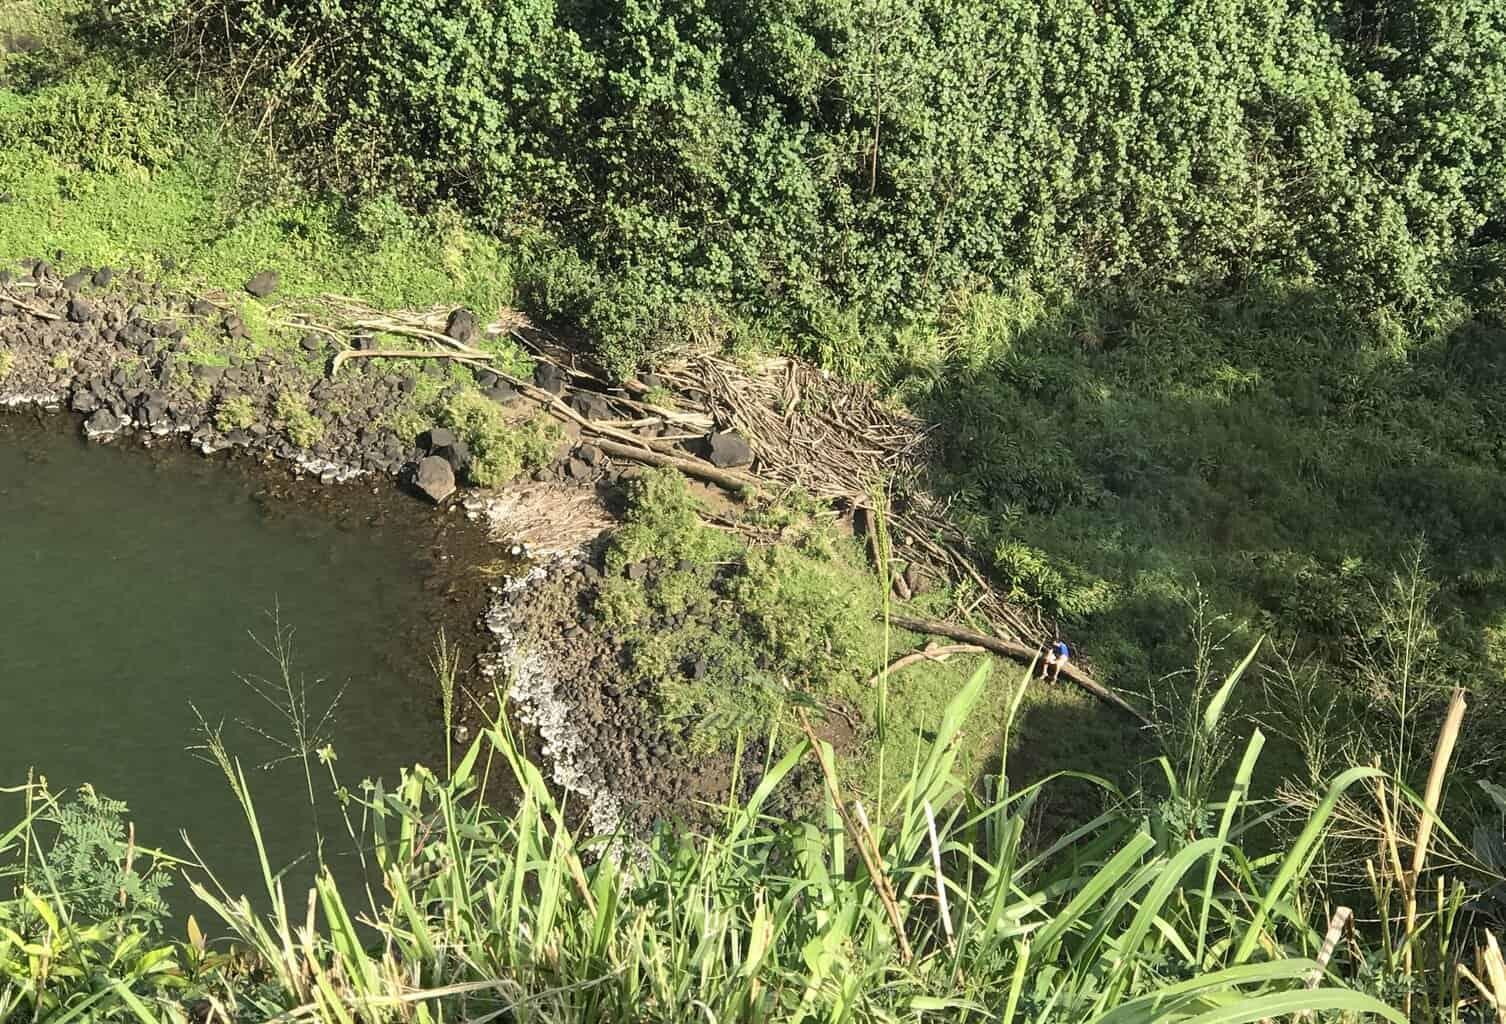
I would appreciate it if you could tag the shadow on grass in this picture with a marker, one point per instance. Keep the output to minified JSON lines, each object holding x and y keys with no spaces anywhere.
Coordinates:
{"x":1269,"y":445}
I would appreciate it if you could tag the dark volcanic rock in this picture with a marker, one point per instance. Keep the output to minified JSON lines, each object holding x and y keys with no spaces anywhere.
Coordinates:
{"x":79,"y":310}
{"x":73,"y":282}
{"x":590,"y":405}
{"x":462,"y":326}
{"x":436,"y":438}
{"x":578,"y":470}
{"x":201,"y":307}
{"x":729,"y":450}
{"x":151,"y":409}
{"x":311,"y":343}
{"x":102,"y":422}
{"x":84,"y":401}
{"x":103,"y":276}
{"x":435,"y":478}
{"x":263,"y":284}
{"x":549,"y":377}
{"x":456,"y":454}
{"x":502,"y":393}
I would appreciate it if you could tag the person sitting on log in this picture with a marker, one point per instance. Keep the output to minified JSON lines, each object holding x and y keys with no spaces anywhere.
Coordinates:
{"x":1057,"y":656}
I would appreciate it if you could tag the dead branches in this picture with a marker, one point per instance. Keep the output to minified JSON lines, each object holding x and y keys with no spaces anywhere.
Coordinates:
{"x":931,"y":652}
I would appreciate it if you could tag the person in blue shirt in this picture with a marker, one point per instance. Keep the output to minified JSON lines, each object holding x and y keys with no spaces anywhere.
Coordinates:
{"x":1057,"y":656}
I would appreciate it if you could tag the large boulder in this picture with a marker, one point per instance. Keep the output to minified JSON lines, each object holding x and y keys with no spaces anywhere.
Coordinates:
{"x":151,"y":409}
{"x":549,"y":377}
{"x":263,"y":283}
{"x":457,"y":454}
{"x":729,"y":450}
{"x":101,"y":424}
{"x":462,"y":326}
{"x":435,"y":438}
{"x":434,"y":478}
{"x":591,"y":405}
{"x":83,"y":400}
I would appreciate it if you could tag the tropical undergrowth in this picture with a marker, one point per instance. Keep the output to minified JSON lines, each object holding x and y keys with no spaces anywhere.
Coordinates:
{"x":1272,"y":448}
{"x":932,"y":903}
{"x":739,"y":630}
{"x":829,"y":172}
{"x":103,"y":163}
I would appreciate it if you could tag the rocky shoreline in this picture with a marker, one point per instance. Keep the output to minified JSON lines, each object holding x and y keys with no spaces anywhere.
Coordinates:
{"x":131,"y":357}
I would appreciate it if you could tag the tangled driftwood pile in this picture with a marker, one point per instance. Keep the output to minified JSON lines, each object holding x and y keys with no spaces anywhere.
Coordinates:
{"x":836,"y":440}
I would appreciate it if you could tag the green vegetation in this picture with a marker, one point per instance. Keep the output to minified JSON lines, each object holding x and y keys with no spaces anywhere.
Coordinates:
{"x":235,"y":413}
{"x":1274,"y":447}
{"x":7,"y":360}
{"x":500,"y":450}
{"x":1206,"y":305}
{"x":931,"y":906}
{"x":737,"y":633}
{"x":832,"y":170}
{"x":303,"y":427}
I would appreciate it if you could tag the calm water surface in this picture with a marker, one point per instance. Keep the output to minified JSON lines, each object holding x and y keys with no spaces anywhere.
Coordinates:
{"x":134,"y":586}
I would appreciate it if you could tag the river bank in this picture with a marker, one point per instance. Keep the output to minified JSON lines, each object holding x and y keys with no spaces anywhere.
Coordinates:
{"x":127,"y":362}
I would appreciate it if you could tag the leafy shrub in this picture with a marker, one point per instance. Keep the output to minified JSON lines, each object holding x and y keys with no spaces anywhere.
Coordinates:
{"x":663,"y":522}
{"x":813,"y":613}
{"x":95,"y":868}
{"x":499,"y":450}
{"x":1053,"y":583}
{"x":303,"y":427}
{"x":803,"y":158}
{"x":235,"y":413}
{"x":96,"y":125}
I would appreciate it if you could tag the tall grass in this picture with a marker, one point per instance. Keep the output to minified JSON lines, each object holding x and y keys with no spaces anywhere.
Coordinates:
{"x":931,"y":907}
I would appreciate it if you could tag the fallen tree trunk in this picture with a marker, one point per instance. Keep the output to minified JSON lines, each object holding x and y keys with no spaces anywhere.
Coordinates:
{"x":690,"y":467}
{"x":1019,"y":652}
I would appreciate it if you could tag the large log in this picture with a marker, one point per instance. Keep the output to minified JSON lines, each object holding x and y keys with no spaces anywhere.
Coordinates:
{"x":1019,"y":652}
{"x":736,"y":482}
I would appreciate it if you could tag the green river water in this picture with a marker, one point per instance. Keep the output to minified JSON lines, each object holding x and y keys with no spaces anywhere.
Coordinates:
{"x":134,"y":584}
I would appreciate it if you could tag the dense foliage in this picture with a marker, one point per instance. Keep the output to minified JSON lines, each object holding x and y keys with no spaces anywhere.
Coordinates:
{"x":824,"y":166}
{"x":933,"y":905}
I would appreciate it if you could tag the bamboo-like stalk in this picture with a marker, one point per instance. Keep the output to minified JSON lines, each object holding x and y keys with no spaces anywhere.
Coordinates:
{"x":1443,"y":753}
{"x":1495,"y":969}
{"x":862,"y":838}
{"x":690,"y":467}
{"x":130,"y":857}
{"x":941,"y":900}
